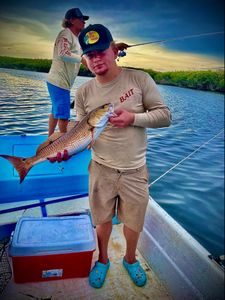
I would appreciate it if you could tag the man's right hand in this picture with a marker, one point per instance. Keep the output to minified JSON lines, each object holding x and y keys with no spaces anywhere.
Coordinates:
{"x":122,"y":46}
{"x":59,"y":158}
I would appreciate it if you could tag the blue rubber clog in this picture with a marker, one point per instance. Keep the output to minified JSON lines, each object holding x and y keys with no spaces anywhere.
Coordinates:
{"x":136,"y":272}
{"x":98,"y":274}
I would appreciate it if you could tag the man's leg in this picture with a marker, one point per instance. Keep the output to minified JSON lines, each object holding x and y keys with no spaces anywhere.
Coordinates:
{"x":102,"y":197}
{"x":103,"y":235}
{"x":131,"y":244}
{"x":99,"y":271}
{"x":52,"y":122}
{"x":131,"y":264}
{"x":63,"y":125}
{"x":60,"y":113}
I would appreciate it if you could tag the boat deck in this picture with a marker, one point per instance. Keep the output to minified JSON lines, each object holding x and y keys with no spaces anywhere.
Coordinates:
{"x":118,"y":284}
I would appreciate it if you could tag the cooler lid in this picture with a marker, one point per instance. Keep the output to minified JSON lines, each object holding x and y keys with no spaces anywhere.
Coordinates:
{"x":52,"y":235}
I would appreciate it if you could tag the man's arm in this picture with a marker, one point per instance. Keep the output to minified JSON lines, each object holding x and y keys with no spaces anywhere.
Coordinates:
{"x":65,"y":53}
{"x":156,"y":114}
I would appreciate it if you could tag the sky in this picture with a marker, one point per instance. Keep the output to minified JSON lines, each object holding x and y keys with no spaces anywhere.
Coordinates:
{"x":28,"y":29}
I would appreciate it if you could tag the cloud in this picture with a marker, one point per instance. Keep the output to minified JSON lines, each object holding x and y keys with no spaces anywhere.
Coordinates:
{"x":30,"y":30}
{"x":24,"y":38}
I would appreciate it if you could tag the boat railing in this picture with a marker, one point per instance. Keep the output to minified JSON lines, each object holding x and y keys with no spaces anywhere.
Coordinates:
{"x":42,"y":203}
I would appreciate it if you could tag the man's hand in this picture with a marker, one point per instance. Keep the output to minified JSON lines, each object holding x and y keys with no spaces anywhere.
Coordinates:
{"x":121,"y":46}
{"x":59,"y":158}
{"x":123,"y":118}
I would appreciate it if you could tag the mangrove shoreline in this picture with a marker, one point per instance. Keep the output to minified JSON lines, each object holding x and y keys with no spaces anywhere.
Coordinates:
{"x":207,"y":80}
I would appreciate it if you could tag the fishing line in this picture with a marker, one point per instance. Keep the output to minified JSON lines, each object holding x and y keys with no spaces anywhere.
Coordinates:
{"x":179,"y":38}
{"x":185,"y":158}
{"x":122,"y":53}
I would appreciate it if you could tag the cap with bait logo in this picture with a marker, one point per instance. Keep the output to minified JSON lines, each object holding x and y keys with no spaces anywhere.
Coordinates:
{"x":95,"y":37}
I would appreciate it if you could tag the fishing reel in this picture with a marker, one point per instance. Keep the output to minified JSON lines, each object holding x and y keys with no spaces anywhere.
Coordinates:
{"x":121,"y":54}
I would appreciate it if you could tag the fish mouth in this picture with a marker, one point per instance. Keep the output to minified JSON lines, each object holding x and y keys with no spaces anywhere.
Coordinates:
{"x":109,"y":107}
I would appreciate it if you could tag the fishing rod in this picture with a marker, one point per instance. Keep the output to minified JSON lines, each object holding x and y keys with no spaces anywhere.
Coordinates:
{"x":179,"y":38}
{"x":123,"y":53}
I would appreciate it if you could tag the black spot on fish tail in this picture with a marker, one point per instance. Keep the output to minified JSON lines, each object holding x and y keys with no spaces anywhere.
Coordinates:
{"x":22,"y":165}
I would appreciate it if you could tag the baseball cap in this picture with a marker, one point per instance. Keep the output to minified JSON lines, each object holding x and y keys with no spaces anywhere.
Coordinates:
{"x":95,"y":37}
{"x":75,"y":13}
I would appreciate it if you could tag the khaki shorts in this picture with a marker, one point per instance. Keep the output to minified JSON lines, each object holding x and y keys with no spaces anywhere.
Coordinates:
{"x":125,"y":190}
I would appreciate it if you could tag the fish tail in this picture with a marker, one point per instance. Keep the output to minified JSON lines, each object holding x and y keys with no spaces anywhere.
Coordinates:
{"x":22,"y":165}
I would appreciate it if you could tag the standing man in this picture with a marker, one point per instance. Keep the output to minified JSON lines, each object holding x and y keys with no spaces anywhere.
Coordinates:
{"x":64,"y":69}
{"x":118,"y":173}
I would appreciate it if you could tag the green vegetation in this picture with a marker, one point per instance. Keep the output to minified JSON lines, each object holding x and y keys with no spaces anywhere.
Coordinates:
{"x":30,"y":64}
{"x":201,"y":80}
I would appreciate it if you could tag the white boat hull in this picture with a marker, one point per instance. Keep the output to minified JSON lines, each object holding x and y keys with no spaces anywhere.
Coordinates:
{"x":178,"y":259}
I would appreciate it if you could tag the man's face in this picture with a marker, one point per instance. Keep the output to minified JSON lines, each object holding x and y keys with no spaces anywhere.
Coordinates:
{"x":79,"y":23}
{"x":100,"y":62}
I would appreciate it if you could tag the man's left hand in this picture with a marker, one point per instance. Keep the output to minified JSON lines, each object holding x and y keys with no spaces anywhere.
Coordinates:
{"x":122,"y":119}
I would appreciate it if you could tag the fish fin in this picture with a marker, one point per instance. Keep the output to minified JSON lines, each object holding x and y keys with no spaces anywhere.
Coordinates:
{"x":71,"y":125}
{"x":55,"y":136}
{"x":50,"y":140}
{"x":22,"y":165}
{"x":42,"y":146}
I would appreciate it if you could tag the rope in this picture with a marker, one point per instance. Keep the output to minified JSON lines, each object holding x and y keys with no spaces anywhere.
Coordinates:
{"x":5,"y":269}
{"x":185,"y":158}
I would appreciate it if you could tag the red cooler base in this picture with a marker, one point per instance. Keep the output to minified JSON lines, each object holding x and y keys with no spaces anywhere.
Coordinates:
{"x":51,"y":267}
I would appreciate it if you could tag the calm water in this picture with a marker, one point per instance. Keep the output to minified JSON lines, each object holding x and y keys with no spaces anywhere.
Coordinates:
{"x":186,"y":160}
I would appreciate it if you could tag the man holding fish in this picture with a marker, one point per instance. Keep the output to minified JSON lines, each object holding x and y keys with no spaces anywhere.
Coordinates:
{"x":118,"y":173}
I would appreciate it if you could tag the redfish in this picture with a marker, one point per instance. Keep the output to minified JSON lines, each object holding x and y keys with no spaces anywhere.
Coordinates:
{"x":78,"y":138}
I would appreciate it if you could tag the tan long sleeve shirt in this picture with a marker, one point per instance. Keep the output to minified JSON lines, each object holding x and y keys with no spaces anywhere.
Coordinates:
{"x":66,"y":60}
{"x":135,"y":91}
